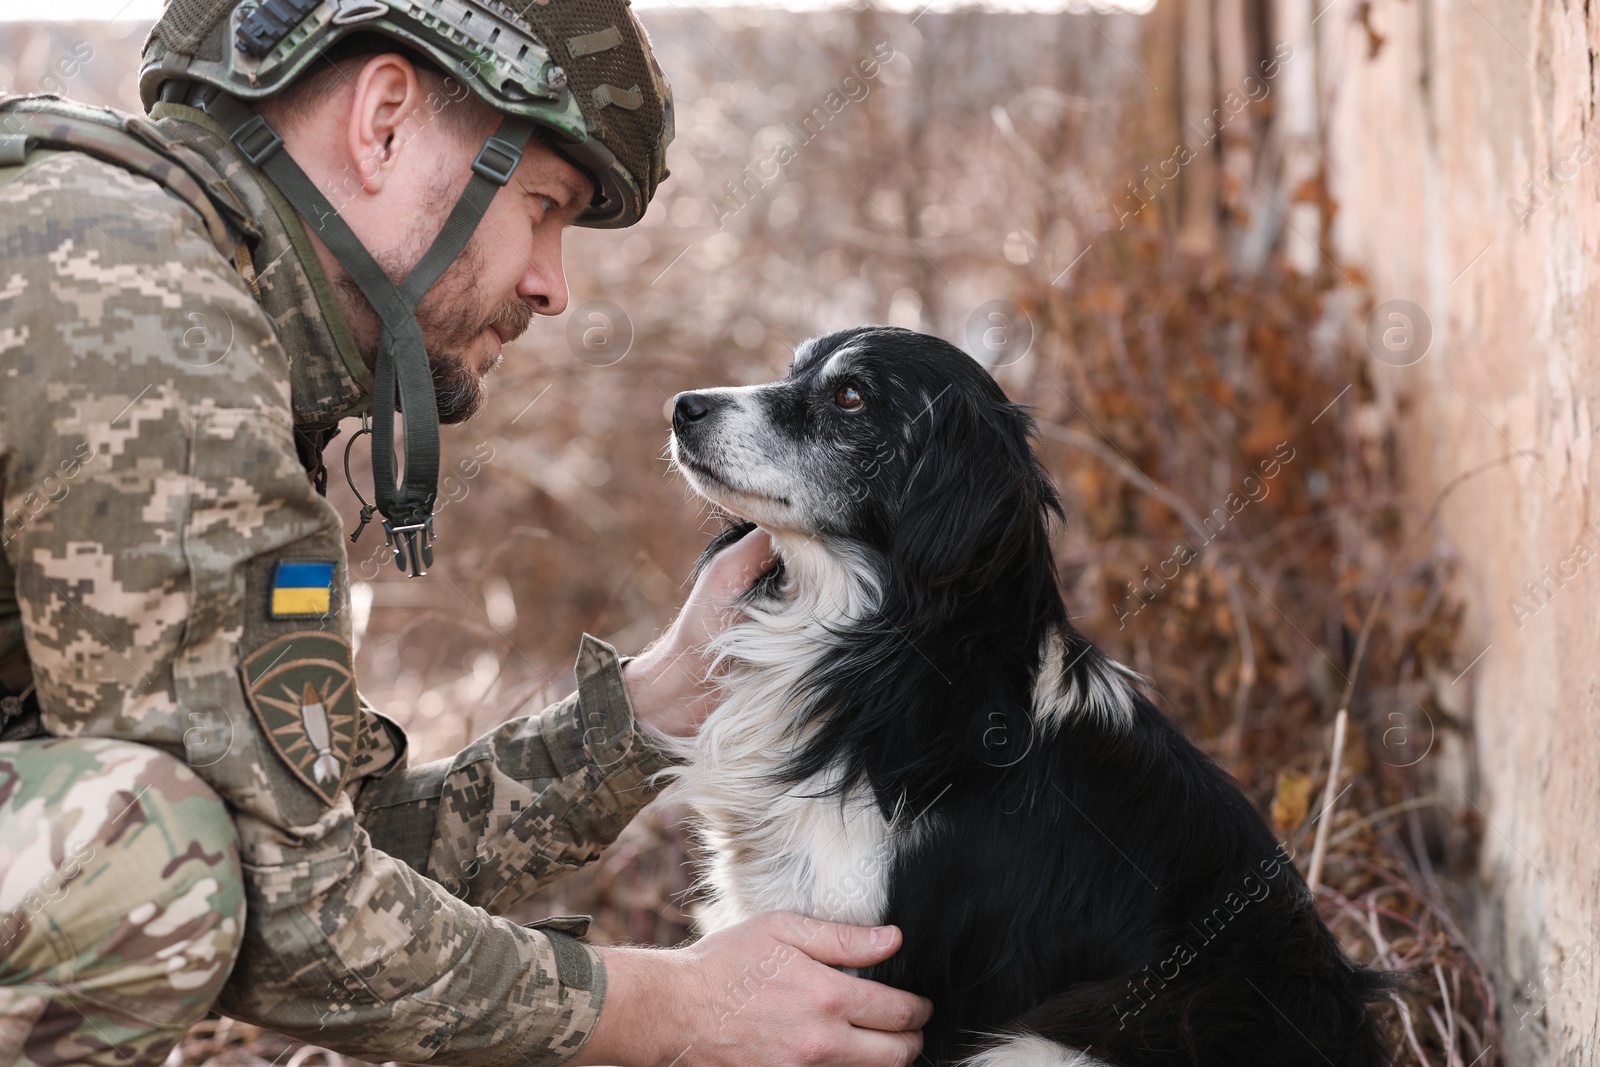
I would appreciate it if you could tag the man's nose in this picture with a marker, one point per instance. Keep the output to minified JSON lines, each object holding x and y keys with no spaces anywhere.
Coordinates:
{"x":544,"y":283}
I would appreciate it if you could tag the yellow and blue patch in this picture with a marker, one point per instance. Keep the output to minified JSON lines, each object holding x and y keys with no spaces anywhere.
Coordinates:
{"x":302,"y":589}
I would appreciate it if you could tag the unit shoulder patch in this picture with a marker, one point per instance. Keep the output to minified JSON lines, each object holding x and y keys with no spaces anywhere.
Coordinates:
{"x":302,"y":690}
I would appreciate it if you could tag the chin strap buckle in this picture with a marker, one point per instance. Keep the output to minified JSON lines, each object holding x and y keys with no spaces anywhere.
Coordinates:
{"x":257,"y":141}
{"x":412,"y":545}
{"x":497,"y":159}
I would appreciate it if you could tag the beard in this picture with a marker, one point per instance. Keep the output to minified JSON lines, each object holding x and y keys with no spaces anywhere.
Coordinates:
{"x":453,"y":315}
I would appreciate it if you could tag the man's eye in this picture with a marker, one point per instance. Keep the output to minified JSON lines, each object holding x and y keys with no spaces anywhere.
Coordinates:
{"x":849,"y":398}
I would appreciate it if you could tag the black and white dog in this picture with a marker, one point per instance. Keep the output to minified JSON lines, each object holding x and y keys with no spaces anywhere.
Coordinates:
{"x":913,"y":733}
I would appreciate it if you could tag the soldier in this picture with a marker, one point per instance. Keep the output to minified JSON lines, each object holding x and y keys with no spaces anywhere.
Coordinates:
{"x":336,"y":208}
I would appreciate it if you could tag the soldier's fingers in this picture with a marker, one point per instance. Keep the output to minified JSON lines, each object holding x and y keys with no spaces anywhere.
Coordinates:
{"x":741,"y":563}
{"x":836,"y":944}
{"x":873,"y":1048}
{"x":875,"y":1006}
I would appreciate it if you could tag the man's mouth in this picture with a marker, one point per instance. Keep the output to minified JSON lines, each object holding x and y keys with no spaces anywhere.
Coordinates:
{"x":494,"y":354}
{"x":513,"y":321}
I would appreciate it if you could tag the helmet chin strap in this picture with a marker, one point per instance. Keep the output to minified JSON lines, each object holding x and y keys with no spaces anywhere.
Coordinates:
{"x":402,"y":374}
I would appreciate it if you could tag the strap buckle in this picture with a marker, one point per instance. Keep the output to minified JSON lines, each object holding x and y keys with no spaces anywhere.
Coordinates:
{"x":497,"y":159}
{"x":256,"y":140}
{"x":413,"y":545}
{"x":13,"y":149}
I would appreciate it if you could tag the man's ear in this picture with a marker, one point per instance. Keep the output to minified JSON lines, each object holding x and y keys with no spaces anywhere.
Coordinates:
{"x":387,"y":94}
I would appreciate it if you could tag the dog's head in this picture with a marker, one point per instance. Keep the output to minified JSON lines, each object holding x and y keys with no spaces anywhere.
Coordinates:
{"x":889,"y":440}
{"x":899,"y":457}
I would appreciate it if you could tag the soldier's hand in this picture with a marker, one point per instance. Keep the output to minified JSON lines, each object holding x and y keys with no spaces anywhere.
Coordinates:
{"x":764,"y":991}
{"x":668,"y":684}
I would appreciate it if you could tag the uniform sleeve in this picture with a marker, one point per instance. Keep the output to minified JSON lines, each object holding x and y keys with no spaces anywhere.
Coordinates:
{"x":145,"y":444}
{"x":530,"y":800}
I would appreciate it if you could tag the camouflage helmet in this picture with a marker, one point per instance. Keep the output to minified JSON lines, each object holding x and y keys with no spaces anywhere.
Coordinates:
{"x":582,"y":70}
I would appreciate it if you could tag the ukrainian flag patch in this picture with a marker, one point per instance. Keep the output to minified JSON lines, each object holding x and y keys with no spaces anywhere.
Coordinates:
{"x":302,"y":589}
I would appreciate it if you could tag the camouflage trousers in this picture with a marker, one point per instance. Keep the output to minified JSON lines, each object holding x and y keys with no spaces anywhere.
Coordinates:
{"x":121,"y":899}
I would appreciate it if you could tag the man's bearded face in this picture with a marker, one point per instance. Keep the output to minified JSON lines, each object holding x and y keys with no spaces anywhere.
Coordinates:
{"x":455,"y":316}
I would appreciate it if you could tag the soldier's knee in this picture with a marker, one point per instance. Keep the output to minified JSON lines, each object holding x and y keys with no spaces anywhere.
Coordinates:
{"x":119,"y":788}
{"x":143,"y":873}
{"x":174,"y":818}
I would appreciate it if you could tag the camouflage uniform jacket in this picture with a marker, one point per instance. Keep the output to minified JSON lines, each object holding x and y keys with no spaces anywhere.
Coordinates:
{"x":153,"y":504}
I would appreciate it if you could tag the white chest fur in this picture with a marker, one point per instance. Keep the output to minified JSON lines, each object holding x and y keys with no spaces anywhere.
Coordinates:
{"x":776,"y":846}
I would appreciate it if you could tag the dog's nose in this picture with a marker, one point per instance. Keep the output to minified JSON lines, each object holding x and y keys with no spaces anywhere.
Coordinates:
{"x":688,"y":408}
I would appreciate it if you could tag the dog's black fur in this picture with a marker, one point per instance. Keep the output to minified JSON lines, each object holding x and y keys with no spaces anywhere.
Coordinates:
{"x":1099,"y":883}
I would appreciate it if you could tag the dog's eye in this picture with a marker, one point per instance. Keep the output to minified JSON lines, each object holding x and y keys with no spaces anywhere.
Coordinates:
{"x":849,"y":398}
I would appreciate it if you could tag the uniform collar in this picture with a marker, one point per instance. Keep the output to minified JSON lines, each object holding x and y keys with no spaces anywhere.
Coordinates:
{"x":327,"y":379}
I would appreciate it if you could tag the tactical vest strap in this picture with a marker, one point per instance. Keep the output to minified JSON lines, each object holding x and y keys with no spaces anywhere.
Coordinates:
{"x":136,"y":145}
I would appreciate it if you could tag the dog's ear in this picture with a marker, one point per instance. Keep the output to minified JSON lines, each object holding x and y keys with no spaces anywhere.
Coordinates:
{"x":975,"y":512}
